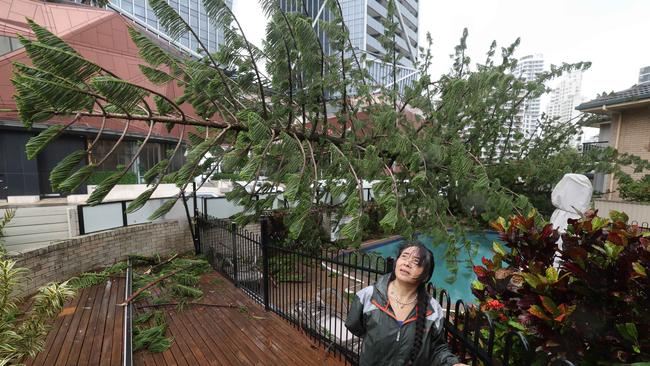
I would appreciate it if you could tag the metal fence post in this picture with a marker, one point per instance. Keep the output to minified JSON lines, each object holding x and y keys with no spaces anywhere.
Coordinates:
{"x":264,"y":231}
{"x":390,"y":264}
{"x":197,"y":237}
{"x":235,"y":276}
{"x":125,"y":221}
{"x":205,"y":208}
{"x":80,"y":218}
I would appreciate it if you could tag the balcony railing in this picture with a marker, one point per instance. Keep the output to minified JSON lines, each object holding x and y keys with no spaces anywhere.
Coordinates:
{"x":587,"y":146}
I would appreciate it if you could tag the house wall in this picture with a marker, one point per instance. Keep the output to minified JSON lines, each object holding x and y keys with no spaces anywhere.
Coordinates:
{"x":605,"y":133}
{"x":99,"y":35}
{"x":65,"y":259}
{"x":35,"y":227}
{"x":634,"y":139}
{"x":18,"y":175}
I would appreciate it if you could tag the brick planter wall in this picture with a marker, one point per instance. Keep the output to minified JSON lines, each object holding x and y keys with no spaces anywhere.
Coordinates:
{"x":68,"y":258}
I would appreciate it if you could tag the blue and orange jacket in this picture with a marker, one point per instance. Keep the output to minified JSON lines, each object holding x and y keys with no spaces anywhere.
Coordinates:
{"x":387,"y":341}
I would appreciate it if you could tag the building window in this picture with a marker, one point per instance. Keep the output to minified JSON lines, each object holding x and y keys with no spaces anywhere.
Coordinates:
{"x":9,"y":44}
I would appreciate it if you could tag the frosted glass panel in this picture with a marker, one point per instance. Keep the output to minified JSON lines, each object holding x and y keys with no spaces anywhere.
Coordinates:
{"x":142,"y":215}
{"x":177,"y":212}
{"x":221,"y":208}
{"x":102,"y":217}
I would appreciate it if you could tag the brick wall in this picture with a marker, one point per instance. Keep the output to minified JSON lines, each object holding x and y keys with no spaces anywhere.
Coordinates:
{"x":68,"y":258}
{"x":634,"y":139}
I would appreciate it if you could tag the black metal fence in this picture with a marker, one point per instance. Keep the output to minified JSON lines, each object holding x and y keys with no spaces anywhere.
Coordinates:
{"x":314,"y":291}
{"x":644,"y":226}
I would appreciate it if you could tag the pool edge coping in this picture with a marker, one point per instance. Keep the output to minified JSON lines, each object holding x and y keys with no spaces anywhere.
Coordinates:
{"x":377,"y":242}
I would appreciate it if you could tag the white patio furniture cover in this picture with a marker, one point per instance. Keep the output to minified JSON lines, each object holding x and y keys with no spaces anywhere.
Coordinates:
{"x":571,"y":194}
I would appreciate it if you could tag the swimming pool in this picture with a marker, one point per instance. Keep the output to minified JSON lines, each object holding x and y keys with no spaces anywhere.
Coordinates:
{"x":460,"y":289}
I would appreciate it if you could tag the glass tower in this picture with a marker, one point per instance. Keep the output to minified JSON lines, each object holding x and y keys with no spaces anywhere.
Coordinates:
{"x":191,"y":10}
{"x":364,"y":21}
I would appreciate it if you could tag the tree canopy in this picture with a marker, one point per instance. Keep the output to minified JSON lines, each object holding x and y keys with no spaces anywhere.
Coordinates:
{"x":443,"y":152}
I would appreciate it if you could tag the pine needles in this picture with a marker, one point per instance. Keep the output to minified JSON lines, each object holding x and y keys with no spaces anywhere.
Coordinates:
{"x":152,"y":338}
{"x":173,"y":279}
{"x":89,"y":279}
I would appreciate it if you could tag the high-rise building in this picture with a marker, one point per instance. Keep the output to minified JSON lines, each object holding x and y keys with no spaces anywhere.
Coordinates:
{"x":191,"y":10}
{"x":364,"y":21}
{"x":644,"y":75}
{"x":565,"y":97}
{"x":527,"y":69}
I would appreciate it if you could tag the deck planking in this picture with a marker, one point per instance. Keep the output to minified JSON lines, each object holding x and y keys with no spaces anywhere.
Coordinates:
{"x":241,"y":335}
{"x":85,"y":331}
{"x":88,"y":331}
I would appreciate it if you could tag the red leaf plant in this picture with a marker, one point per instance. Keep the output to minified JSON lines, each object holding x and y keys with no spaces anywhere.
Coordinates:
{"x":588,"y":301}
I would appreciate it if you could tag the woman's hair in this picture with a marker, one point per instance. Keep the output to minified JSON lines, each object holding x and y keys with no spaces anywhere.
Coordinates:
{"x":427,"y":264}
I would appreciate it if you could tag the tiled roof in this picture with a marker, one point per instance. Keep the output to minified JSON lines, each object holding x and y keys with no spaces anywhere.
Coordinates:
{"x":637,"y":92}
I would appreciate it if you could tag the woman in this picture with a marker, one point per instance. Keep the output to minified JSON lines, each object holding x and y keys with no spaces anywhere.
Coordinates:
{"x":399,"y":322}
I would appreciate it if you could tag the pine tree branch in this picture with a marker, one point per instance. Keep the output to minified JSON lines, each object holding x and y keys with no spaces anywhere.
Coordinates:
{"x":119,"y":141}
{"x":254,"y":63}
{"x":153,"y":283}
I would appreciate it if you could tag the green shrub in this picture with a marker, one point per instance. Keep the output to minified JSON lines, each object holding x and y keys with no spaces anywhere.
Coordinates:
{"x":99,"y":176}
{"x":634,"y":190}
{"x":23,"y":334}
{"x":225,"y":176}
{"x":592,"y":307}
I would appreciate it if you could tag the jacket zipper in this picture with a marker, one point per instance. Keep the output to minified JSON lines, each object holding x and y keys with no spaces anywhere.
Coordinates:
{"x":399,"y":331}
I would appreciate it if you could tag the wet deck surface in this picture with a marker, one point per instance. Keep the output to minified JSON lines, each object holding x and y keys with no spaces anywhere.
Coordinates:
{"x":241,"y":335}
{"x":89,"y":331}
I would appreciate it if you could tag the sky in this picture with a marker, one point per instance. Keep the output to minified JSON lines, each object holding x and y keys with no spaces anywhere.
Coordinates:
{"x":612,"y":34}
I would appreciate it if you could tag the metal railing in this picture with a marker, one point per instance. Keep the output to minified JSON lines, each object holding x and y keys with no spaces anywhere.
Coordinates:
{"x":644,"y":226}
{"x":598,"y":145}
{"x":313,"y":290}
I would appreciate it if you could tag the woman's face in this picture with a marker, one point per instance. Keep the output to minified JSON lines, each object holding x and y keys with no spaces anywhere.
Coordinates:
{"x":408,"y":267}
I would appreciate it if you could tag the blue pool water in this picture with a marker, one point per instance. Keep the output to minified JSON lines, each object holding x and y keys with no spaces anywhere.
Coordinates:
{"x":460,"y":289}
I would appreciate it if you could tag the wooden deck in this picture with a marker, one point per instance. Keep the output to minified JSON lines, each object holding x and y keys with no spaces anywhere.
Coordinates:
{"x":88,"y":331}
{"x":243,"y":335}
